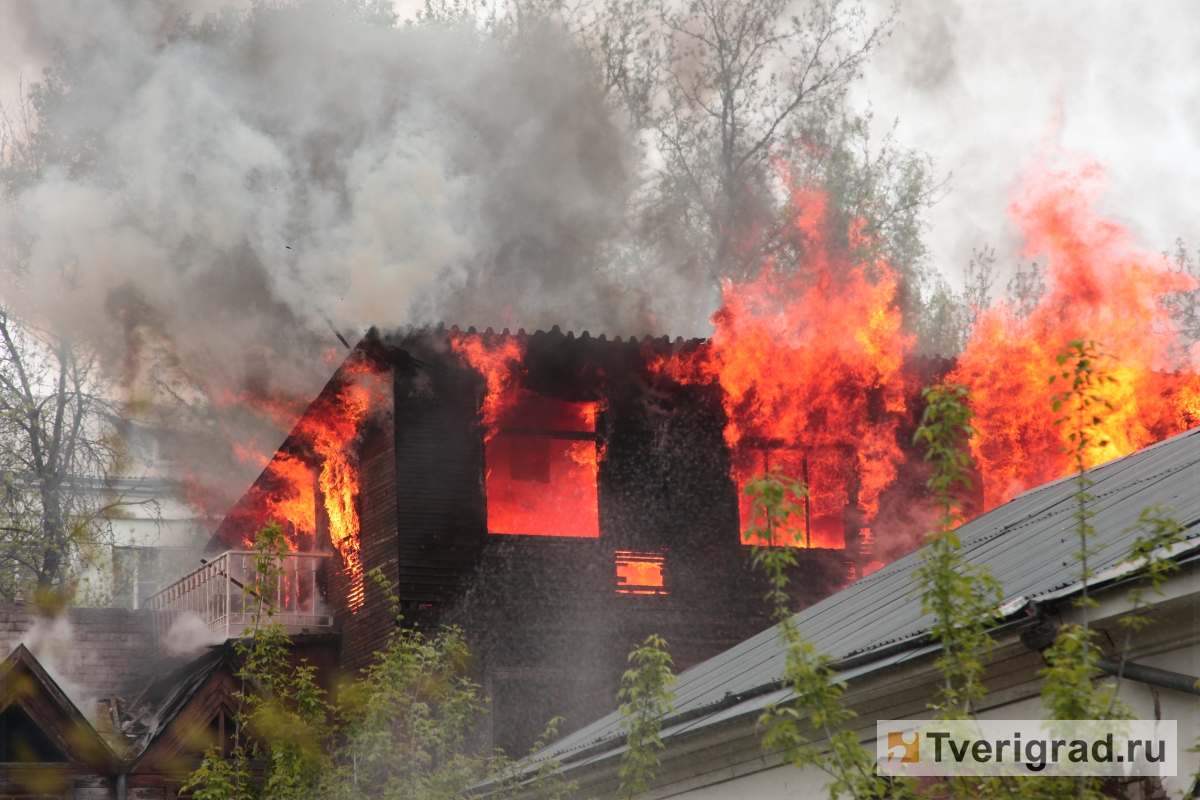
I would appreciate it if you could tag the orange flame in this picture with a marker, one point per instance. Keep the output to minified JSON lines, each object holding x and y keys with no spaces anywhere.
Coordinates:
{"x":498,"y":360}
{"x":320,"y":455}
{"x":640,"y":573}
{"x":295,"y":500}
{"x":1100,"y":287}
{"x":329,"y":436}
{"x":810,"y":356}
{"x":541,"y":477}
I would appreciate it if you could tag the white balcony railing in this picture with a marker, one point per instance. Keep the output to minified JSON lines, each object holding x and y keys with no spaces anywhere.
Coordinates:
{"x":216,"y":592}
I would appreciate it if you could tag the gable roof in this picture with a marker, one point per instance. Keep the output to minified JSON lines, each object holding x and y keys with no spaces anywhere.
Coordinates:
{"x":25,"y":683}
{"x":404,"y":348}
{"x":182,"y":702}
{"x":1028,"y":543}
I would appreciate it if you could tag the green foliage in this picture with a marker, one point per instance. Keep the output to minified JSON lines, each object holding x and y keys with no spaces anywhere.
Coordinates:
{"x":945,"y":430}
{"x":1159,"y":531}
{"x":1069,"y":688}
{"x":282,"y":717}
{"x":542,"y":778}
{"x":815,"y":702}
{"x":287,"y":711}
{"x":775,"y":501}
{"x":1083,"y":365}
{"x":409,"y":727}
{"x":963,"y":599}
{"x":645,"y":699}
{"x":219,"y":778}
{"x":408,"y":722}
{"x":1070,"y":691}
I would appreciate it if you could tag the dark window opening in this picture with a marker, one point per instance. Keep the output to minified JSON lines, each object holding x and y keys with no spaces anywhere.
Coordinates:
{"x":23,"y":742}
{"x":218,"y":734}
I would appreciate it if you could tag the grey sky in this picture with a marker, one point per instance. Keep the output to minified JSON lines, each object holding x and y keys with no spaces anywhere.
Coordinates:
{"x":978,"y":85}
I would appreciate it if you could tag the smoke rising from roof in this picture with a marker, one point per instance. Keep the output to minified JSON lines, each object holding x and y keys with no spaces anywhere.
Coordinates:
{"x":251,"y":177}
{"x":307,"y":159}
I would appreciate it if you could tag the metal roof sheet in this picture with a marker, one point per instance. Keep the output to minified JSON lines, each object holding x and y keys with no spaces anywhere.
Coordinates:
{"x":1028,"y":543}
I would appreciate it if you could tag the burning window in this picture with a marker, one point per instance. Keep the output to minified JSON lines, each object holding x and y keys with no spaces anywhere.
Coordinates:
{"x":541,"y":469}
{"x":820,"y":522}
{"x":640,"y":573}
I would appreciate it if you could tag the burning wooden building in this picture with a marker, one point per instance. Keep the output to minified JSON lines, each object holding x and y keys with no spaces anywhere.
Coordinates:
{"x":559,"y":498}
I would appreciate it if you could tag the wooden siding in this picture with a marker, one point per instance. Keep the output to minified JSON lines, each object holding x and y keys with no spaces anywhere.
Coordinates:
{"x":441,"y":516}
{"x":365,"y":630}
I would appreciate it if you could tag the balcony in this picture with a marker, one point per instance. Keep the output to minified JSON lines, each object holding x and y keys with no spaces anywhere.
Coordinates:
{"x":216,"y":593}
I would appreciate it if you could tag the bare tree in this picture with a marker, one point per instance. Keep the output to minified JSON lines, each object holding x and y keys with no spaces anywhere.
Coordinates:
{"x":58,"y":426}
{"x":58,"y":444}
{"x":723,"y":85}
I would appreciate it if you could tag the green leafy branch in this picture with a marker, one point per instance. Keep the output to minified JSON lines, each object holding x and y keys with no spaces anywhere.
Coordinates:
{"x":815,"y":699}
{"x":962,"y":599}
{"x":279,"y":701}
{"x":775,"y":500}
{"x":645,"y":698}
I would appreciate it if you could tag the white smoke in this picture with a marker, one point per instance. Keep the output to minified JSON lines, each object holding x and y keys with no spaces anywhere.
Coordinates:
{"x":51,"y":640}
{"x":270,"y":168}
{"x":245,"y":178}
{"x":189,"y":636}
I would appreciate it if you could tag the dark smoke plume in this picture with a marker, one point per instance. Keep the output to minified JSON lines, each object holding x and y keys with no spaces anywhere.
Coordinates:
{"x":228,"y":184}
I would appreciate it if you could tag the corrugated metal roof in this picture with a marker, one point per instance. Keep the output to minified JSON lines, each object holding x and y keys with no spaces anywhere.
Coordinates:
{"x":555,"y":331}
{"x":1028,"y":543}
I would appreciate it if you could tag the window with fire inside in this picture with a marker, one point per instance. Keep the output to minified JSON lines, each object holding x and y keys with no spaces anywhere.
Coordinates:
{"x":542,"y":460}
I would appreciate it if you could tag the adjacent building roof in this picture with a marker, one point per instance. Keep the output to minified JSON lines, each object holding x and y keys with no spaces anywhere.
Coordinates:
{"x":1028,"y":543}
{"x":61,"y":732}
{"x":169,"y":695}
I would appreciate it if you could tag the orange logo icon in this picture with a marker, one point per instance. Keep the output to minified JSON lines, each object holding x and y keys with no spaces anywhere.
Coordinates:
{"x":904,"y":746}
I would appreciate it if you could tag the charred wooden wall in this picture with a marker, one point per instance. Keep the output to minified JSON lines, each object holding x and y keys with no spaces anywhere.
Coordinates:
{"x":441,"y":512}
{"x":549,"y":629}
{"x":542,"y":613}
{"x":364,"y":630}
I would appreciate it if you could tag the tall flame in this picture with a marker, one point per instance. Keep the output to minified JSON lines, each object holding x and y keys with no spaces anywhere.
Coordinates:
{"x":810,"y":357}
{"x":330,"y":436}
{"x":498,"y":360}
{"x":320,"y":462}
{"x":541,"y":478}
{"x":1101,"y":288}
